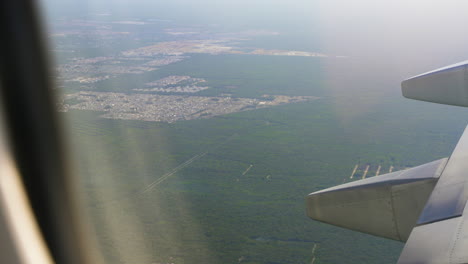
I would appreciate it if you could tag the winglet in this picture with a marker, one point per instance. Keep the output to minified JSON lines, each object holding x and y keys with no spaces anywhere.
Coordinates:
{"x":447,"y":85}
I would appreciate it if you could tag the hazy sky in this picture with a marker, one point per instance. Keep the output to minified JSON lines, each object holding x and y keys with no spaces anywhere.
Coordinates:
{"x":416,"y":31}
{"x":417,"y":28}
{"x":407,"y":36}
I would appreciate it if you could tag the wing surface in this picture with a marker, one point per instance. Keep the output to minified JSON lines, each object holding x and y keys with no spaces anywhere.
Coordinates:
{"x":442,"y":232}
{"x":447,"y":85}
{"x":388,"y":205}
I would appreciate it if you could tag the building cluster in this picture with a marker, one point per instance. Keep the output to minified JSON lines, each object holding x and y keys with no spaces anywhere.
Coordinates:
{"x":92,"y":70}
{"x":164,"y":108}
{"x":175,"y":84}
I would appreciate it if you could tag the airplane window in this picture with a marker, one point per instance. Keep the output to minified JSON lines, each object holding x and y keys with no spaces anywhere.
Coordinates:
{"x":197,"y":128}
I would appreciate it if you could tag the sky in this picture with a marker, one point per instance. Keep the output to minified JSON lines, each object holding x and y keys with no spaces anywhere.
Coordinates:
{"x":417,"y":30}
{"x":426,"y":33}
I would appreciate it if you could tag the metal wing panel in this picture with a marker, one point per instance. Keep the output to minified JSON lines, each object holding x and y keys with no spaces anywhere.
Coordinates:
{"x":450,"y":194}
{"x":408,"y":201}
{"x":442,"y":234}
{"x":386,"y":206}
{"x":366,"y":210}
{"x":430,"y":244}
{"x":448,"y":85}
{"x":440,"y":242}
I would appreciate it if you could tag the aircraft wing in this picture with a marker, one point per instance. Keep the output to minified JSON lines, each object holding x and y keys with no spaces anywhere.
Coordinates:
{"x":447,"y":85}
{"x":441,"y":234}
{"x":425,"y":206}
{"x":388,"y":205}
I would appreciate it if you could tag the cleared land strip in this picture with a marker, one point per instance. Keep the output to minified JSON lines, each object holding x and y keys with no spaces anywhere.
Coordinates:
{"x":313,"y":253}
{"x":147,"y":188}
{"x":155,"y":183}
{"x":247,"y":170}
{"x":184,"y":164}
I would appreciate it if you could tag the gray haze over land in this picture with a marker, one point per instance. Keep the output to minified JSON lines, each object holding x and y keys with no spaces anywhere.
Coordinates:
{"x":390,"y":40}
